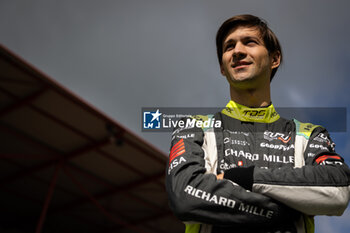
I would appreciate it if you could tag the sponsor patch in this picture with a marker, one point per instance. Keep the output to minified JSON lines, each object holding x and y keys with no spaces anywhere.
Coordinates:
{"x":277,"y":147}
{"x":329,"y":159}
{"x":175,"y":162}
{"x":236,"y":142}
{"x":177,"y":150}
{"x":317,"y":146}
{"x":285,"y":138}
{"x":241,"y":153}
{"x":209,"y":197}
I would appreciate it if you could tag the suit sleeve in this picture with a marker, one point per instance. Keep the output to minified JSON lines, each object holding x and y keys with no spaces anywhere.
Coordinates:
{"x":194,"y":195}
{"x":318,"y":187}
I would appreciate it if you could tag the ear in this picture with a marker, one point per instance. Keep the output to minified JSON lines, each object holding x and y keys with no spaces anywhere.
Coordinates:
{"x":222,"y":70}
{"x":276,"y":60}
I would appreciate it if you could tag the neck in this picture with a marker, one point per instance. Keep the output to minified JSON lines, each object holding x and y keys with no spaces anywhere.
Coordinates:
{"x":259,"y":97}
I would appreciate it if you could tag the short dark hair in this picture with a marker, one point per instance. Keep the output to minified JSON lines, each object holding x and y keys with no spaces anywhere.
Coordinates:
{"x":270,"y":39}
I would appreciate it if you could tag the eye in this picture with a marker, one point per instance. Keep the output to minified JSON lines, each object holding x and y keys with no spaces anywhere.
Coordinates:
{"x":228,"y":47}
{"x":251,"y":42}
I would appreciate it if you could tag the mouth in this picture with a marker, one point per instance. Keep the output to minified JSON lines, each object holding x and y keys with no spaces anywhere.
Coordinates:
{"x":240,"y":64}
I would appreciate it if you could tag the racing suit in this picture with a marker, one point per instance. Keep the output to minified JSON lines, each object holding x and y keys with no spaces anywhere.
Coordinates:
{"x":278,"y":173}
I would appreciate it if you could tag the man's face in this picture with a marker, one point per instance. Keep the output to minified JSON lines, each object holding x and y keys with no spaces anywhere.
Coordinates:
{"x":245,"y":59}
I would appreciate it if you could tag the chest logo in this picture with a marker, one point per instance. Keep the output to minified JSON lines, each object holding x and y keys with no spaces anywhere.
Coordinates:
{"x":285,"y":138}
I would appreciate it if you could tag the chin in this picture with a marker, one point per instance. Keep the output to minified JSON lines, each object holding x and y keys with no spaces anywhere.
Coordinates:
{"x":242,"y":79}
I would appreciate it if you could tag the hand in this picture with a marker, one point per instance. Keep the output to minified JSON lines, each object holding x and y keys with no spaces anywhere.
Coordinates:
{"x":242,"y":176}
{"x":220,"y":176}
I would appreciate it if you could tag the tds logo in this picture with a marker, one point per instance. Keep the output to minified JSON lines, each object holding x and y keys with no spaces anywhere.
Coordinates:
{"x":254,"y":113}
{"x":151,"y":120}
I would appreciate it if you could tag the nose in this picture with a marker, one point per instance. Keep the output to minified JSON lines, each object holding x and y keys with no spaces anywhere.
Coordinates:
{"x":239,"y":51}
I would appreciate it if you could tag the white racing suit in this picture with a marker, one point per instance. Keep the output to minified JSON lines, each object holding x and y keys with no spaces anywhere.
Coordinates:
{"x":278,"y":173}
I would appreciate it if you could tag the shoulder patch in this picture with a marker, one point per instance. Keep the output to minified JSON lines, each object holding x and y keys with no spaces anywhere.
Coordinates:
{"x":304,"y":129}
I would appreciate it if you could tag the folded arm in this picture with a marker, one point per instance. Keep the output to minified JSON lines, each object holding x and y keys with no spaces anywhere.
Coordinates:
{"x":319,"y":187}
{"x":195,"y":195}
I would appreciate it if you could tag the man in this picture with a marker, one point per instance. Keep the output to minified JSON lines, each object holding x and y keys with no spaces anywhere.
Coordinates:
{"x":257,"y":172}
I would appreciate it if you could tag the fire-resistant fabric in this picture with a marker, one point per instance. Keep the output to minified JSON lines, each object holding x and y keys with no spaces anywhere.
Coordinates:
{"x":296,"y":173}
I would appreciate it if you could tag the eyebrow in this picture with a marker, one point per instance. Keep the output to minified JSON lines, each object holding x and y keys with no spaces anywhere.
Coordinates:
{"x":227,"y":42}
{"x":252,"y":37}
{"x":244,"y":38}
